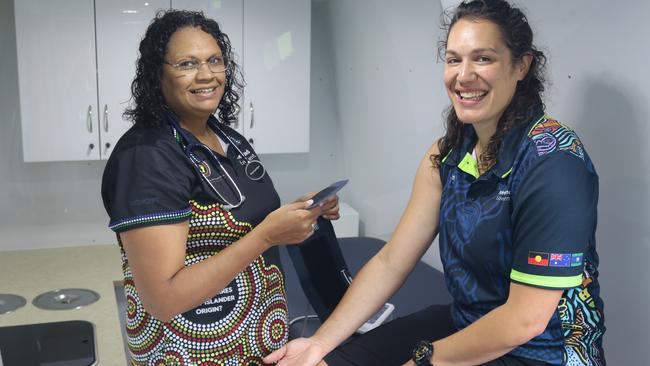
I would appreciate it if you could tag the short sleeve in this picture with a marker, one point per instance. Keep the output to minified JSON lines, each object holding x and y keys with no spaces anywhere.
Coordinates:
{"x":147,"y":181}
{"x":554,"y":218}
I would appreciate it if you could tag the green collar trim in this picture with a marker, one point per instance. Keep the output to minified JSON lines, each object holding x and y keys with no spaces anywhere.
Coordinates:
{"x":544,"y":117}
{"x":507,"y":173}
{"x":446,"y":156}
{"x":469,"y":165}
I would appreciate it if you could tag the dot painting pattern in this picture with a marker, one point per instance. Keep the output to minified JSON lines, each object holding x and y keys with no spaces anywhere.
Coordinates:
{"x":238,"y":326}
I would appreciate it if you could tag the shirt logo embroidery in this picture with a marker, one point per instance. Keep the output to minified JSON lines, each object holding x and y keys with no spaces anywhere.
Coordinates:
{"x":538,"y":259}
{"x":204,"y":168}
{"x":503,"y":195}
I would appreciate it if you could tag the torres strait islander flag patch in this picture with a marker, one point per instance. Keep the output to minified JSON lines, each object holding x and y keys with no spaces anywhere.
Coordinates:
{"x":576,"y":259}
{"x":538,"y":258}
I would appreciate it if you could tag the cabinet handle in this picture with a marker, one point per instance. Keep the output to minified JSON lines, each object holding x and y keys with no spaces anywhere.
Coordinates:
{"x":89,"y":119}
{"x":107,"y":146}
{"x":105,"y":117}
{"x":252,"y":115}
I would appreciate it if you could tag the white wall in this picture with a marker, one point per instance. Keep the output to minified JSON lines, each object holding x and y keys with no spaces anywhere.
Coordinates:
{"x":59,"y":204}
{"x":390,"y":102}
{"x":390,"y":99}
{"x":598,"y":61}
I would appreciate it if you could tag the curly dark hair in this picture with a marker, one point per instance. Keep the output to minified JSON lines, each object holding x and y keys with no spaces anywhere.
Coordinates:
{"x":149,"y":106}
{"x":518,"y":37}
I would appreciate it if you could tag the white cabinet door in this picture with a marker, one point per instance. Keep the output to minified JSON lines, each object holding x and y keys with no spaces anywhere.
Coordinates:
{"x":55,"y":41}
{"x":120,"y":27}
{"x":229,"y":14}
{"x":277,"y":40}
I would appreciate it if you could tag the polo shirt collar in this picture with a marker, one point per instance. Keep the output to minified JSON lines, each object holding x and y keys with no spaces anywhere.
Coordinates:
{"x":463,"y":157}
{"x":507,"y":152}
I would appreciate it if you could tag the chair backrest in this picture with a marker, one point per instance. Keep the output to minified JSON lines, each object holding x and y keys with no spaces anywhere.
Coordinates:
{"x":322,"y":271}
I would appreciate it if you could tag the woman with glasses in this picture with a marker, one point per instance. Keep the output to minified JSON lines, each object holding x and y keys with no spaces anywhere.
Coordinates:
{"x":511,"y":194}
{"x":197,"y":218}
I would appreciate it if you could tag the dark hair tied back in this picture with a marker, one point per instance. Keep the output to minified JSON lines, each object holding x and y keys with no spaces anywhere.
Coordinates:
{"x":149,"y":106}
{"x":518,"y":37}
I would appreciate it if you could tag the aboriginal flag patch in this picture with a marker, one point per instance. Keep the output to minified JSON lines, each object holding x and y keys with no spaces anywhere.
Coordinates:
{"x":538,"y":258}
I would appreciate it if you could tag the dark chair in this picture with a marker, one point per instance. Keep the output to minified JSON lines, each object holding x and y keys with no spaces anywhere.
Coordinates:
{"x":324,"y":277}
{"x":320,"y":270}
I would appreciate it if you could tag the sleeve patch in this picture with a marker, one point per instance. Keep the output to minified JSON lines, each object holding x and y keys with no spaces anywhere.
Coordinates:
{"x":538,"y":259}
{"x":555,"y":259}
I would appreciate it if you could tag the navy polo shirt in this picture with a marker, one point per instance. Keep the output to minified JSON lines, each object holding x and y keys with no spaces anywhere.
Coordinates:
{"x":530,"y":219}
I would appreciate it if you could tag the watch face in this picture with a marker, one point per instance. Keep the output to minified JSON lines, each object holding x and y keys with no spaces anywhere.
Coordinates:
{"x":422,"y":353}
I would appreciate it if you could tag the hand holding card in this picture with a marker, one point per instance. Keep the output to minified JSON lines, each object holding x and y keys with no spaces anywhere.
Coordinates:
{"x":326,"y":193}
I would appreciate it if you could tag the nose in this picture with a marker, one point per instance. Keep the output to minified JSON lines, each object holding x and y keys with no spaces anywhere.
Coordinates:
{"x":466,"y":72}
{"x":204,"y":72}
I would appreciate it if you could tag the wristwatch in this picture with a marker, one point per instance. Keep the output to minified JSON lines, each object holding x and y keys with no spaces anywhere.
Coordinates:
{"x":422,"y":353}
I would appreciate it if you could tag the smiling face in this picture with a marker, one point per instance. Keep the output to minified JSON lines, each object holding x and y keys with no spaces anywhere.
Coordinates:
{"x":479,"y":74}
{"x":192,"y":95}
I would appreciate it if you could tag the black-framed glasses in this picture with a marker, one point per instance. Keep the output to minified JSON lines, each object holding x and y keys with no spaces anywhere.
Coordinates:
{"x":216,"y":64}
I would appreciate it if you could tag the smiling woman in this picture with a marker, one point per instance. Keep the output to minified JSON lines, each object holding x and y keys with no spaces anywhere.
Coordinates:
{"x":512,"y":195}
{"x":198,"y":232}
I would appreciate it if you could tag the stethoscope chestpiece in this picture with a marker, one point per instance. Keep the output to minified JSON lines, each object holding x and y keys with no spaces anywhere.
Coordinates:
{"x":230,"y":206}
{"x":255,"y":170}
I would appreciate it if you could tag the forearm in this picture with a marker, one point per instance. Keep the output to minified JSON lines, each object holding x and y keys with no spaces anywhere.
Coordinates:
{"x":381,"y":276}
{"x":194,"y":284}
{"x":490,"y":337}
{"x":370,"y":289}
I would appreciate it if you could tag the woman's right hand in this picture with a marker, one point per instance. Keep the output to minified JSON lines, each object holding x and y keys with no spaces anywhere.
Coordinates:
{"x":299,"y":352}
{"x":290,"y":224}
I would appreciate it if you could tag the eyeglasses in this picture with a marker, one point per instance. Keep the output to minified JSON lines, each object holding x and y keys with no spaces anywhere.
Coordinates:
{"x":190,"y":67}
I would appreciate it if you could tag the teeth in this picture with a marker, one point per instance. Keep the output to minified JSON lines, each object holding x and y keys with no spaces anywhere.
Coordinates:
{"x":203,"y":91}
{"x":472,"y":95}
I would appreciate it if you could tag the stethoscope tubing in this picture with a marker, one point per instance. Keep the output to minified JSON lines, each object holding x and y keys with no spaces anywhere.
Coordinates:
{"x":250,"y":161}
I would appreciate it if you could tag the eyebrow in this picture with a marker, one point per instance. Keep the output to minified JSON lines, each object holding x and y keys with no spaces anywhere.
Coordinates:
{"x":478,"y":50}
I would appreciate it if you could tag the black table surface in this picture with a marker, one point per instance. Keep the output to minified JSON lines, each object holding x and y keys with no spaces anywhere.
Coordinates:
{"x":425,"y":286}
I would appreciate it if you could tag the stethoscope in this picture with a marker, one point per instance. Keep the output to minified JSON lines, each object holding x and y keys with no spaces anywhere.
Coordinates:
{"x":253,"y":167}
